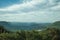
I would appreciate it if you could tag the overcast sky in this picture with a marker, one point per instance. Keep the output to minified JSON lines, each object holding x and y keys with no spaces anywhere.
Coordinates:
{"x":30,"y":10}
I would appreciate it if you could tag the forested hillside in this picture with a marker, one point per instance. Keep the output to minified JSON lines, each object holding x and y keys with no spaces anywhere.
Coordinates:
{"x":55,"y":25}
{"x":46,"y":34}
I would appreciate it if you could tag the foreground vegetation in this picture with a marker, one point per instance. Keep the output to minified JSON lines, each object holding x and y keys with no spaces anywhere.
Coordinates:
{"x":47,"y":34}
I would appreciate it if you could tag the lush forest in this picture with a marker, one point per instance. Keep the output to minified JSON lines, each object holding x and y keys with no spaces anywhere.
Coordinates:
{"x":50,"y":33}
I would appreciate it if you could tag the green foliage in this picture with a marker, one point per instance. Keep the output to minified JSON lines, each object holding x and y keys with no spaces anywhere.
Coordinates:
{"x":3,"y":30}
{"x":56,"y":24}
{"x":48,"y":34}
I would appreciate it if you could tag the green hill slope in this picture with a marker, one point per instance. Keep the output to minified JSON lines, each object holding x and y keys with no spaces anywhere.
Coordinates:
{"x":56,"y":25}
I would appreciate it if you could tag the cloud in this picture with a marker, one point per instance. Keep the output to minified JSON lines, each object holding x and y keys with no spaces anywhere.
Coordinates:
{"x":32,"y":5}
{"x":31,"y":17}
{"x":22,"y":6}
{"x":32,"y":11}
{"x":7,"y":3}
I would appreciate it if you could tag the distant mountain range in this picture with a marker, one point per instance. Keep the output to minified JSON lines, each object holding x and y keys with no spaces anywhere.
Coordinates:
{"x":23,"y":26}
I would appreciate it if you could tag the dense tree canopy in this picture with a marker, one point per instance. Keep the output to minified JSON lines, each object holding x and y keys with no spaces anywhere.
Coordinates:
{"x":47,"y":34}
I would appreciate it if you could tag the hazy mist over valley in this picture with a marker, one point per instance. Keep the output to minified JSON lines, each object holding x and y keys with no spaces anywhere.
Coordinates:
{"x":24,"y":25}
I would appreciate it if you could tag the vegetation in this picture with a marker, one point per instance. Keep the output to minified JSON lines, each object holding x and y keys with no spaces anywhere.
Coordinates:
{"x":47,"y":34}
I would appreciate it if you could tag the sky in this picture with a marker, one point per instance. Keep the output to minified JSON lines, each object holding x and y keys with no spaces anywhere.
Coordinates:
{"x":30,"y":10}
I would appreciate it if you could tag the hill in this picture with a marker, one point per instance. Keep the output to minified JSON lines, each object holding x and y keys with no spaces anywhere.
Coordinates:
{"x":23,"y":26}
{"x":56,"y":25}
{"x":47,"y":34}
